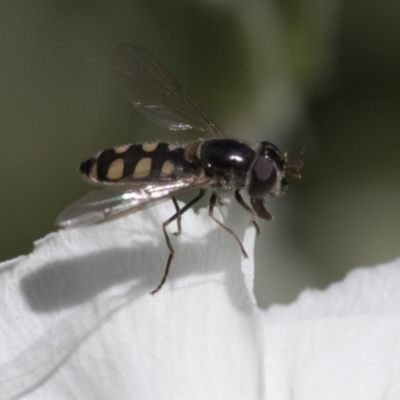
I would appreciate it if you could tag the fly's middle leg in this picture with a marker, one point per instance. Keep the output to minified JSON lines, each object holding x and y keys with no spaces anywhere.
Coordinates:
{"x":240,"y":200}
{"x":213,"y":200}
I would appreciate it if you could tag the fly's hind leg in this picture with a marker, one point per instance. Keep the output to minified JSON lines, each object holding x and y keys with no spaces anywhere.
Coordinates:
{"x":211,"y":206}
{"x":178,"y":220}
{"x":177,"y":215}
{"x":240,"y":200}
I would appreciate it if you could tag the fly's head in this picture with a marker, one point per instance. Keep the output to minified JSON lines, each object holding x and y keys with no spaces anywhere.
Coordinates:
{"x":267,"y":176}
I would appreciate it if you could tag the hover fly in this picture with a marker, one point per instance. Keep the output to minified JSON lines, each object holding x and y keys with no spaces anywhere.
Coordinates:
{"x":137,"y":175}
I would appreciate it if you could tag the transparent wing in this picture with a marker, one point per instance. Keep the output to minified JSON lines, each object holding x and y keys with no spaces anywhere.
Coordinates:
{"x":116,"y":201}
{"x":156,"y":94}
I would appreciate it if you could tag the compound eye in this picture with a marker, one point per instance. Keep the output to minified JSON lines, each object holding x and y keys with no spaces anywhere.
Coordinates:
{"x":267,"y":147}
{"x":263,"y":178}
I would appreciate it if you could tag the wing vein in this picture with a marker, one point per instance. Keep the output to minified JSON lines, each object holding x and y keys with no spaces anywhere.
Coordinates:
{"x":156,"y":94}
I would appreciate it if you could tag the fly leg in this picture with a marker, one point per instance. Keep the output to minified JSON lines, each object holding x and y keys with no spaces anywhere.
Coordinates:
{"x":240,"y":200}
{"x":178,"y":220}
{"x":177,"y":216}
{"x":211,"y":206}
{"x":258,"y":206}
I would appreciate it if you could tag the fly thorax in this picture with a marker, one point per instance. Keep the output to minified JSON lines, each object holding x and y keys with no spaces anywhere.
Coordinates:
{"x":227,"y":161}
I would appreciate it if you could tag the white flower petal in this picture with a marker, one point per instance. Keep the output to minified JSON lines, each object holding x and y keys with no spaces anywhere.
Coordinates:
{"x":340,"y":343}
{"x":78,"y":320}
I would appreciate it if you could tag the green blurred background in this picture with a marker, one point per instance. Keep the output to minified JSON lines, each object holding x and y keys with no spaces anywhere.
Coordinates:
{"x":322,"y":75}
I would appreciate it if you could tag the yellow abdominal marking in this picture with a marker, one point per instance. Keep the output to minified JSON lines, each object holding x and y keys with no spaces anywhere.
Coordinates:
{"x":116,"y":169}
{"x":149,"y":147}
{"x":143,"y":168}
{"x":122,"y":149}
{"x":172,"y":147}
{"x":167,"y":168}
{"x":93,"y":172}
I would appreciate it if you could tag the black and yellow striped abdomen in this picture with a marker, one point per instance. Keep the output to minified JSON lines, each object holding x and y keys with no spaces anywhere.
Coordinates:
{"x":138,"y":162}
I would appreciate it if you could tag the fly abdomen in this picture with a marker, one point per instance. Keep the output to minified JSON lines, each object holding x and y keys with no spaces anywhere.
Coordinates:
{"x":136,"y":162}
{"x":85,"y":168}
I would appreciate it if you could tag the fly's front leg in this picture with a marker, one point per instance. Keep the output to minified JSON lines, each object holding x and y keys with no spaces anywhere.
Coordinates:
{"x":211,"y":206}
{"x":177,"y":216}
{"x":240,"y":200}
{"x":259,"y":208}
